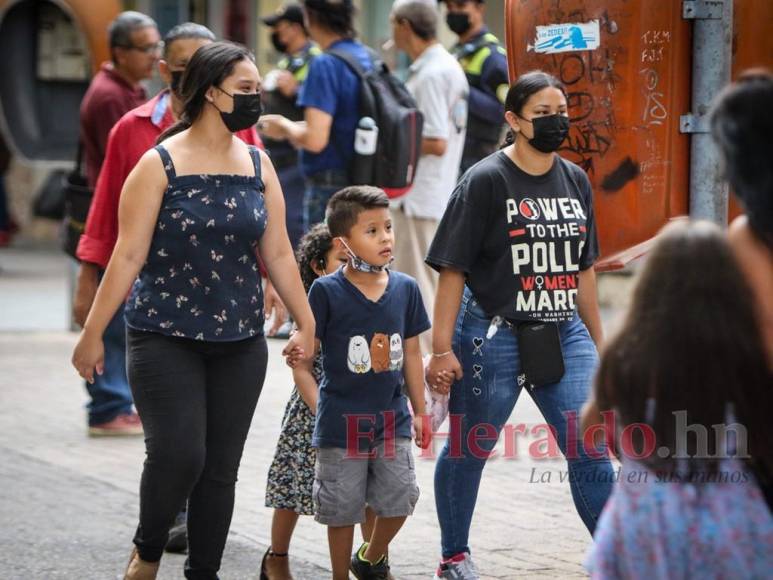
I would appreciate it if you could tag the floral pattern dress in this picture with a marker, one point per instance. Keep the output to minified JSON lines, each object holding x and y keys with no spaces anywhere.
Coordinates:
{"x":291,"y":475}
{"x":201,"y":279}
{"x":653,"y":529}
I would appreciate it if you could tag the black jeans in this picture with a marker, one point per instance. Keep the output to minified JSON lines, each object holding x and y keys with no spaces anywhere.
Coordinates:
{"x":196,"y":401}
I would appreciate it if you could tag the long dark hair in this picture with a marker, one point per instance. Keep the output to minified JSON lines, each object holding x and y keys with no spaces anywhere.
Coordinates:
{"x":690,"y":342}
{"x":209,"y":66}
{"x":312,"y":251}
{"x":742,"y":127}
{"x":521,"y":91}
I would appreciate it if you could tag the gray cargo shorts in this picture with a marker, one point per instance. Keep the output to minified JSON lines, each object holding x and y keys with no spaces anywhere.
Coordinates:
{"x":343,"y":486}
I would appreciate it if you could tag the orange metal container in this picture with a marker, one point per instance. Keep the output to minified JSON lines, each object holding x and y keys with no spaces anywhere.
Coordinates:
{"x":627,"y":89}
{"x":90,"y":16}
{"x":55,"y":46}
{"x":752,"y":46}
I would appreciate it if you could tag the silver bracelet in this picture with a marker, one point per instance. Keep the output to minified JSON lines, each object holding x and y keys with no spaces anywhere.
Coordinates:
{"x":442,"y":354}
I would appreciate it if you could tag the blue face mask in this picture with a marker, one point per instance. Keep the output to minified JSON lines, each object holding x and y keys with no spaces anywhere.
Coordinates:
{"x":360,"y":265}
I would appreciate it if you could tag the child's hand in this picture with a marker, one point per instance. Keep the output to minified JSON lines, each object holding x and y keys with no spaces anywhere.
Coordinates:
{"x":299,"y":347}
{"x":423,"y":436}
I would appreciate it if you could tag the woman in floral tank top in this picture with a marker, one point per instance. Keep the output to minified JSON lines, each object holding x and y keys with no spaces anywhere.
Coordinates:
{"x":197,"y":214}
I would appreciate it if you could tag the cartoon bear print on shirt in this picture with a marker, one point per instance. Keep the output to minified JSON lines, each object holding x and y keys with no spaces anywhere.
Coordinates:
{"x":395,"y":352}
{"x":359,"y":355}
{"x":379,"y":352}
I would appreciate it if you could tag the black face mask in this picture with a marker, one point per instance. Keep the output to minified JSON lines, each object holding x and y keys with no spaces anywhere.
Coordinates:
{"x":458,"y":22}
{"x":278,"y":44}
{"x":549,"y":132}
{"x":246,"y":112}
{"x":177,"y":77}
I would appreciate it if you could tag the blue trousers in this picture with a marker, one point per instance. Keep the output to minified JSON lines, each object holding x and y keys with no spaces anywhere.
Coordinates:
{"x":487,"y":394}
{"x":110,"y":393}
{"x":315,"y":204}
{"x":294,"y":189}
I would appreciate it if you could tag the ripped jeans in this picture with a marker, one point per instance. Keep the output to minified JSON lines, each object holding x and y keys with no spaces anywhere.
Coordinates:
{"x":487,"y":394}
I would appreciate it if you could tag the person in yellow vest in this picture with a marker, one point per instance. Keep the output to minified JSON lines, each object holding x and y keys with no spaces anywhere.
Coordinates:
{"x":280,"y":88}
{"x":484,"y":61}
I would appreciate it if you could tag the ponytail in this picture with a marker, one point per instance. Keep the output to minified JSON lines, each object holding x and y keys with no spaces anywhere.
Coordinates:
{"x":509,"y":139}
{"x":182,"y":125}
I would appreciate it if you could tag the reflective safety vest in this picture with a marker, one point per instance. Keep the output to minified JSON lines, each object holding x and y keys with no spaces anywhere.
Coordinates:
{"x":483,"y":135}
{"x":299,"y":65}
{"x":282,"y":152}
{"x":472,"y":55}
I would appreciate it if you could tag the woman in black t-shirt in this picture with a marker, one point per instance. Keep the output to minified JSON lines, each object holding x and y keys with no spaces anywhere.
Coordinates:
{"x":515,"y":251}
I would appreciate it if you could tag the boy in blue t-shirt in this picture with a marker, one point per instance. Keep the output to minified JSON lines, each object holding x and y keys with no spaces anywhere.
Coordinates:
{"x":368,"y":324}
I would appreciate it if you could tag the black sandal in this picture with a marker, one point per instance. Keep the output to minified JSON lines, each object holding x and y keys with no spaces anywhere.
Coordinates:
{"x":269,"y":552}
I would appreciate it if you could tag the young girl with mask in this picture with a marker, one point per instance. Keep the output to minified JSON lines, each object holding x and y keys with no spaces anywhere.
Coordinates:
{"x":516,"y":307}
{"x":686,"y":369}
{"x":195,"y":214}
{"x":291,"y":475}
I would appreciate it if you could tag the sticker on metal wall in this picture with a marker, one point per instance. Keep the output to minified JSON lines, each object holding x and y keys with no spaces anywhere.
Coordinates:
{"x":567,"y":37}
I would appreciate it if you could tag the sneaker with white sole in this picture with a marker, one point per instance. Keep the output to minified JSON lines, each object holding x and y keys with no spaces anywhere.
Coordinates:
{"x":459,"y":567}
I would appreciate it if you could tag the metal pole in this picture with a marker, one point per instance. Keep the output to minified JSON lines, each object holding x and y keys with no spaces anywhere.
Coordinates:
{"x":711,"y":62}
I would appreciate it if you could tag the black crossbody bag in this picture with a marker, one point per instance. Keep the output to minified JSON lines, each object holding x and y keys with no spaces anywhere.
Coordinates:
{"x":539,"y":347}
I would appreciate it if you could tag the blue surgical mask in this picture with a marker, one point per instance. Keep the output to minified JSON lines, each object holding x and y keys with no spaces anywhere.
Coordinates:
{"x":357,"y":263}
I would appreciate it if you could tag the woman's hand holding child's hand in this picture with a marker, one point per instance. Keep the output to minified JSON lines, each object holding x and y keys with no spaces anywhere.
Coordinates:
{"x":442,"y":372}
{"x":299,"y":347}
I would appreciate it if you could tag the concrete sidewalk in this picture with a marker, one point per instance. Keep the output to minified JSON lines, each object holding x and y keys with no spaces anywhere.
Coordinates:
{"x":68,"y":504}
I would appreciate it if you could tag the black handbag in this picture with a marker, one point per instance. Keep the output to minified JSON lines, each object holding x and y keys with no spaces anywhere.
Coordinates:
{"x":539,"y":347}
{"x":49,"y":201}
{"x":77,"y":200}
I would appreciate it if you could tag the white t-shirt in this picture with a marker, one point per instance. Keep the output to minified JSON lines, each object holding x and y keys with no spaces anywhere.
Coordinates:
{"x":439,"y":85}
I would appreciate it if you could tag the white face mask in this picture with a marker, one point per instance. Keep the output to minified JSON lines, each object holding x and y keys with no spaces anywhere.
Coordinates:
{"x":361,"y":265}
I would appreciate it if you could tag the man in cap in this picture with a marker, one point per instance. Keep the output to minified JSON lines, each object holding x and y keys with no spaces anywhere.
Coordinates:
{"x":484,"y":62}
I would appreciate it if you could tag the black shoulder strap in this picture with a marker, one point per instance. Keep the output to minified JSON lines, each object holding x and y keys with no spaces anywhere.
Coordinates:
{"x":349,"y":59}
{"x":255,"y":154}
{"x":79,"y":158}
{"x":352,"y":61}
{"x":167,"y":161}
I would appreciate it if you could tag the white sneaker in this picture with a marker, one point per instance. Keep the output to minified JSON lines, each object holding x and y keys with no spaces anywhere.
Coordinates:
{"x":460,"y":567}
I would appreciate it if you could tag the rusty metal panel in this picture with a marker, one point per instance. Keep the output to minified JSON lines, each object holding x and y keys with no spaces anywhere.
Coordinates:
{"x":628,"y":84}
{"x":752,"y":34}
{"x":752,"y":47}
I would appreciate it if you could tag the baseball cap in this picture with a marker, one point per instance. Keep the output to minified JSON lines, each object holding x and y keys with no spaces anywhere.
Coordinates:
{"x":291,"y":12}
{"x":325,"y":4}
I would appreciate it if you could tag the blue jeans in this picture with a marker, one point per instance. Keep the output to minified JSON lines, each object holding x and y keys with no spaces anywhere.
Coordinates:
{"x":110,"y":393}
{"x":317,"y":196}
{"x":3,"y":205}
{"x":294,"y":189}
{"x":487,"y":394}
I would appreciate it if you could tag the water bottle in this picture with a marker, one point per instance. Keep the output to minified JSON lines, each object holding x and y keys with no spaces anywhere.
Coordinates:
{"x":366,"y":137}
{"x":365,"y":145}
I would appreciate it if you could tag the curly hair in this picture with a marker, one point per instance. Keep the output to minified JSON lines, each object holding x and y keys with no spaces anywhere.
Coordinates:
{"x":312,"y":250}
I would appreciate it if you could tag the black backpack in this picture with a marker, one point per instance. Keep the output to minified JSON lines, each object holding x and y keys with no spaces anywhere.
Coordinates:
{"x":387,"y":101}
